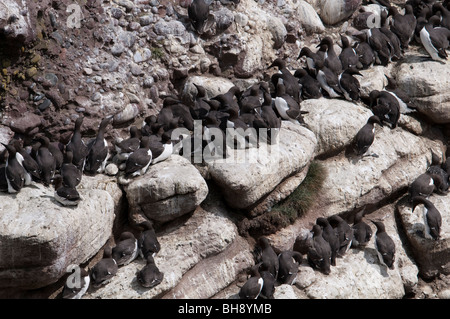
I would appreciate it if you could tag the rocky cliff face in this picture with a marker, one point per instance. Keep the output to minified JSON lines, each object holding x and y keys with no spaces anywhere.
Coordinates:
{"x":123,"y":58}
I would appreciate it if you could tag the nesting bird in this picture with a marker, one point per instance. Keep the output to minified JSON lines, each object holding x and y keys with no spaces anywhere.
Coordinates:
{"x":103,"y":271}
{"x":126,"y":249}
{"x":150,"y":276}
{"x":65,"y":195}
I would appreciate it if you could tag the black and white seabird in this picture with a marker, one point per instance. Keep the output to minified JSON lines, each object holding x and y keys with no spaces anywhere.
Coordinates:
{"x":444,"y":13}
{"x":229,"y":100}
{"x":365,"y":137}
{"x":29,"y":163}
{"x":435,"y":39}
{"x":431,"y":216}
{"x":289,"y":80}
{"x":386,"y":106}
{"x":287,"y":107}
{"x":394,"y":42}
{"x":329,"y":81}
{"x":268,"y":256}
{"x":14,"y":171}
{"x":438,"y":168}
{"x":289,"y":261}
{"x":331,"y":236}
{"x":139,"y":161}
{"x":311,"y":60}
{"x":424,"y":185}
{"x":98,"y":150}
{"x":46,"y":161}
{"x":269,"y":281}
{"x":311,"y":88}
{"x":362,"y":233}
{"x":384,"y":245}
{"x":344,"y":232}
{"x":57,"y":149}
{"x":366,"y":54}
{"x":253,"y":286}
{"x":198,"y":12}
{"x":104,"y":270}
{"x":200,"y":106}
{"x":76,"y":290}
{"x":403,"y":25}
{"x":349,"y":84}
{"x":331,"y":59}
{"x":126,"y":249}
{"x":70,"y":173}
{"x":77,"y":146}
{"x":348,"y":55}
{"x":319,"y":252}
{"x":251,"y":100}
{"x":380,"y":44}
{"x":406,"y":104}
{"x":161,"y":150}
{"x":125,"y":147}
{"x":66,"y":196}
{"x":148,"y":241}
{"x":150,"y":276}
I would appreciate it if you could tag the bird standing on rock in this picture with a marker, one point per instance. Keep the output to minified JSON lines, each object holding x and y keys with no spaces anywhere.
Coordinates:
{"x":344,"y":232}
{"x":65,"y":195}
{"x":98,"y":150}
{"x":70,"y":173}
{"x":362,"y":233}
{"x":384,"y":245}
{"x":331,"y":236}
{"x":253,"y":286}
{"x":139,"y":161}
{"x":268,"y":256}
{"x":77,"y":146}
{"x":14,"y":171}
{"x":198,"y":12}
{"x":46,"y":161}
{"x":431,"y":216}
{"x":319,"y":253}
{"x":289,"y":262}
{"x":349,"y":84}
{"x":365,"y":137}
